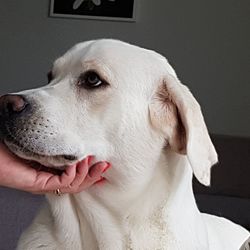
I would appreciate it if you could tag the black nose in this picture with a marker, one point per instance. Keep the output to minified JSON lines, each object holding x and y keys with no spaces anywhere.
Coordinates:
{"x":12,"y":104}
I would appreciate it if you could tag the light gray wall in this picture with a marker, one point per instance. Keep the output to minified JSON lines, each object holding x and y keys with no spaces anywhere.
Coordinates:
{"x":208,"y":43}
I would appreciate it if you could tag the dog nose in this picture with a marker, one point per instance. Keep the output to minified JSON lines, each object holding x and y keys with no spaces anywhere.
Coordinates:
{"x":12,"y":104}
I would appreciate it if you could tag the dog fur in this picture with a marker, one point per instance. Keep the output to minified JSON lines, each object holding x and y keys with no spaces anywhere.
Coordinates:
{"x":150,"y":127}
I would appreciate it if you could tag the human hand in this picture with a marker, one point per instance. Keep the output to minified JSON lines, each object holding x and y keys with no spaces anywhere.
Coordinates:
{"x":16,"y":173}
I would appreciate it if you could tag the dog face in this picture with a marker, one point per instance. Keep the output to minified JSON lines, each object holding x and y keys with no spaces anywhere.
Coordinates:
{"x":109,"y":99}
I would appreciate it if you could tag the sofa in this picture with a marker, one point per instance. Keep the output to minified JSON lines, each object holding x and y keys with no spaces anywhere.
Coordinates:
{"x":229,"y":193}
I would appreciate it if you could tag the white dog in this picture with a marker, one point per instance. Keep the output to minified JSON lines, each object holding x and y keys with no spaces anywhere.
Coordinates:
{"x":125,"y":105}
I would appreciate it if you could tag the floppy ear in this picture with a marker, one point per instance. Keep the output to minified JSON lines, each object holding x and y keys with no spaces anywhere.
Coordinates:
{"x":176,"y":113}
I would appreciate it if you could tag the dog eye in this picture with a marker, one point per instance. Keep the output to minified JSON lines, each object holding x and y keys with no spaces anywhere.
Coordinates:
{"x":91,"y":80}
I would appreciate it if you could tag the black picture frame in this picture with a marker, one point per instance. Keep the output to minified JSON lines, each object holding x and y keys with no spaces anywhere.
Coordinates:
{"x":114,"y":10}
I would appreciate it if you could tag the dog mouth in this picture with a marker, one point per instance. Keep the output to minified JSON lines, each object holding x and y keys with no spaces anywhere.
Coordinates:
{"x":39,"y":167}
{"x":55,"y":164}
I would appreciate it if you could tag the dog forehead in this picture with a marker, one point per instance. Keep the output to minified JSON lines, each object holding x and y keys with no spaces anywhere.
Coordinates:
{"x":108,"y":48}
{"x":113,"y":51}
{"x":109,"y":52}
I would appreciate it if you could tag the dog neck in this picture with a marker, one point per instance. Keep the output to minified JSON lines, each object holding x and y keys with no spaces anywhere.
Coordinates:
{"x":158,"y":218}
{"x":166,"y":211}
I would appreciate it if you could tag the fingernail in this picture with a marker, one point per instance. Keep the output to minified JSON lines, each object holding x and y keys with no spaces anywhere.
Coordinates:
{"x":90,"y":158}
{"x":100,"y":180}
{"x":107,"y":167}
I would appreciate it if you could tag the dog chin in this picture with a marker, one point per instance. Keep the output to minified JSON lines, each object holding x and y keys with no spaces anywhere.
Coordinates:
{"x":39,"y":161}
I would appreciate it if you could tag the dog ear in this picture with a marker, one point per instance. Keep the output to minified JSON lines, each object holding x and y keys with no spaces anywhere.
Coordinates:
{"x":175,"y":112}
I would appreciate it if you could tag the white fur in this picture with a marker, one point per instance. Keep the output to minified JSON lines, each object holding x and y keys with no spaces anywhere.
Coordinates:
{"x":147,"y":202}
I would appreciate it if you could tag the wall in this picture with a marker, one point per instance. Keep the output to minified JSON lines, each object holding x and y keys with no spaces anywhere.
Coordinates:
{"x":208,"y":43}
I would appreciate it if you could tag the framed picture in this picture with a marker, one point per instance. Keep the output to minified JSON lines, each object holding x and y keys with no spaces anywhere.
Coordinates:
{"x":116,"y":10}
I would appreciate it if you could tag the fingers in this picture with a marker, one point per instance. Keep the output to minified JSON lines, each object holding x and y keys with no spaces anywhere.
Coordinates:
{"x":90,"y":177}
{"x":95,"y":174}
{"x":81,"y":171}
{"x":48,"y":182}
{"x":74,"y":179}
{"x":68,"y":176}
{"x":97,"y":169}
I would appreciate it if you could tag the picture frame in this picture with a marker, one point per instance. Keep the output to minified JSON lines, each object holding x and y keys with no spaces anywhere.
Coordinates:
{"x":113,"y":10}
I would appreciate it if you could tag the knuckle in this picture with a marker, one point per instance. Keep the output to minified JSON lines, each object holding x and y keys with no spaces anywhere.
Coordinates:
{"x":74,"y":189}
{"x":71,"y":188}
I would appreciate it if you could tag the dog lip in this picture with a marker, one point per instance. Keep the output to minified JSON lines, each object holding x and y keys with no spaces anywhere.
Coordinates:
{"x":70,"y":157}
{"x":40,"y":167}
{"x":65,"y":159}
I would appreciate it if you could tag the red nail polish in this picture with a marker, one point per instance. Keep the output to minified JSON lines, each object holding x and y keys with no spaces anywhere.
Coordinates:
{"x":107,"y":167}
{"x":90,"y":158}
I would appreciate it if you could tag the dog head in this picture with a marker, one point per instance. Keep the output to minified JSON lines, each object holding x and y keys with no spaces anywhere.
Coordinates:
{"x":110,"y":99}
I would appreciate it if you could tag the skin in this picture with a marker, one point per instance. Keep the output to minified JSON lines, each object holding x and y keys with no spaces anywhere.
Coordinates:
{"x":15,"y":173}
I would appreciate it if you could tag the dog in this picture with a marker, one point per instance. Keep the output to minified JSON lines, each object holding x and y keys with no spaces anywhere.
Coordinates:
{"x":126,"y":105}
